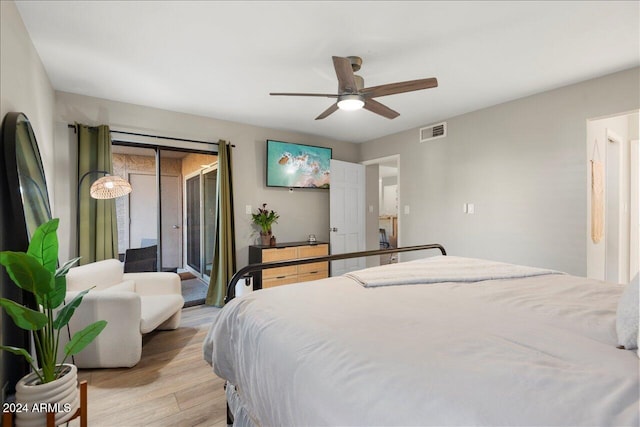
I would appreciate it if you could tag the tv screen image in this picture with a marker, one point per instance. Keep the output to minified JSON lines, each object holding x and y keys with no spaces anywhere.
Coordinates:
{"x":297,"y":165}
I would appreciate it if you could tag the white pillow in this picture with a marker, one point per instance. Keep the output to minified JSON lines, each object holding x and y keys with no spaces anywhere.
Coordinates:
{"x":627,"y":316}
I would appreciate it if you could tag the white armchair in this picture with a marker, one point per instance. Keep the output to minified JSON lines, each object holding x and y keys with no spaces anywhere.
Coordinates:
{"x":132,"y":303}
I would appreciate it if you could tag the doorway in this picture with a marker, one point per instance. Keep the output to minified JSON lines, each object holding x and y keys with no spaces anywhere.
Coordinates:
{"x":346,"y":215}
{"x":383,"y":198}
{"x":200,"y":213}
{"x":612,"y":250}
{"x":145,"y":219}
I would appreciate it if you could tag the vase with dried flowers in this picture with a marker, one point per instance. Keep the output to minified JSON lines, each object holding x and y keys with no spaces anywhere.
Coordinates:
{"x":264,"y":219}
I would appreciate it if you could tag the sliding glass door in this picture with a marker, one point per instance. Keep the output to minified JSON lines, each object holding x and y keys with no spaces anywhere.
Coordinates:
{"x":172,"y":205}
{"x":210,"y":188}
{"x":201,"y":197}
{"x":193,"y":223}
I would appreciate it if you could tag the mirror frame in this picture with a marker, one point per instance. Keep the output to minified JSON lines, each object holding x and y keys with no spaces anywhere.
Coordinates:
{"x":14,"y":236}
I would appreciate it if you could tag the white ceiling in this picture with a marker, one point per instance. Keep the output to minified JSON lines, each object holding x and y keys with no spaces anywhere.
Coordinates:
{"x":221,"y":59}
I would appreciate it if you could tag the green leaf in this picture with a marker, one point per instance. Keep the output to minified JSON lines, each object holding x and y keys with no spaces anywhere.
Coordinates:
{"x":27,"y":273}
{"x":44,"y":245}
{"x":18,"y":351}
{"x":83,"y":338}
{"x":24,"y":317}
{"x":56,"y":296}
{"x":64,"y":315}
{"x":62,"y":271}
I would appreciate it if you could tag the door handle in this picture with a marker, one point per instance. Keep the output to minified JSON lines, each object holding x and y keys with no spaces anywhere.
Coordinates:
{"x":334,"y":229}
{"x":175,"y":227}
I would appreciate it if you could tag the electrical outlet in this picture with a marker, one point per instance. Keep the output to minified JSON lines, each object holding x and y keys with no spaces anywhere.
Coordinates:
{"x":247,"y":209}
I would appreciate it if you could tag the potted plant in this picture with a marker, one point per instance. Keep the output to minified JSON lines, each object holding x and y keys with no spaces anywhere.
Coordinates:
{"x":264,"y":219}
{"x":52,"y":382}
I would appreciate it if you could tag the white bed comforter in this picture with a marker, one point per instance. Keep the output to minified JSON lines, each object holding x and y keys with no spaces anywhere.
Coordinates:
{"x":536,"y":351}
{"x":441,"y":269}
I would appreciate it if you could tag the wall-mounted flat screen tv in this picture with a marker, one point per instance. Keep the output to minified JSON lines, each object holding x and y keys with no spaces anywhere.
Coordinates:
{"x":297,"y":166}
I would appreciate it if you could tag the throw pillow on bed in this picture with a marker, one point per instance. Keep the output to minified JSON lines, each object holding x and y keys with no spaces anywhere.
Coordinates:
{"x":627,"y":316}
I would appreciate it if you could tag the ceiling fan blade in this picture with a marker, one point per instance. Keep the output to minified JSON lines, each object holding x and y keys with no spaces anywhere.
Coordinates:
{"x":328,"y":111}
{"x":401,"y":87}
{"x":324,"y":95}
{"x":378,"y":108}
{"x":344,"y":72}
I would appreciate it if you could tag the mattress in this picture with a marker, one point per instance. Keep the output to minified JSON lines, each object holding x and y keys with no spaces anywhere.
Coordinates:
{"x":527,"y":351}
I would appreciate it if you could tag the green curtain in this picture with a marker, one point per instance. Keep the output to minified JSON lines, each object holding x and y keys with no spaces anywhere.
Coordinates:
{"x":97,"y":223}
{"x":224,"y":246}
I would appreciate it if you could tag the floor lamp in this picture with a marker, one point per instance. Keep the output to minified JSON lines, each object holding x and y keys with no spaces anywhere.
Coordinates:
{"x":107,"y":187}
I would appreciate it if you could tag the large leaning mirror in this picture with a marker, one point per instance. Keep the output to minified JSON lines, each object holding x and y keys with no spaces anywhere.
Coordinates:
{"x":31,"y":181}
{"x":24,"y":206}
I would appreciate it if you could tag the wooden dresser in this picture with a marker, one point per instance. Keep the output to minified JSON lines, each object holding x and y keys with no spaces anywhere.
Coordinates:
{"x":286,"y":275}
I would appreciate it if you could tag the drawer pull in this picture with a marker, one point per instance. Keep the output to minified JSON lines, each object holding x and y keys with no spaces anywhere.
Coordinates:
{"x":313,"y":272}
{"x":281,"y":277}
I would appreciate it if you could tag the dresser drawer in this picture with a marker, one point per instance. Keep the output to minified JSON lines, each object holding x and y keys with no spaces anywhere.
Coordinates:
{"x":279,"y":272}
{"x":269,"y":255}
{"x":313,"y":267}
{"x":311,"y":251}
{"x":283,"y":254}
{"x":323,"y":274}
{"x":270,"y":283}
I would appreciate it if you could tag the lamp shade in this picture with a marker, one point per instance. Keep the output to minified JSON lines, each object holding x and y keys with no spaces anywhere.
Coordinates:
{"x":109,"y":187}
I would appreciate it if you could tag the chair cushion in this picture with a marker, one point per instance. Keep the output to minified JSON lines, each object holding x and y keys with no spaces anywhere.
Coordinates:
{"x":125,"y":285}
{"x":101,"y":274}
{"x":158,"y":308}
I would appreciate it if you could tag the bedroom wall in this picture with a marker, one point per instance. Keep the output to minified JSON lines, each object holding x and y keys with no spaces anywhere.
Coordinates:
{"x":522,"y":163}
{"x":302,"y":212}
{"x":25,"y":86}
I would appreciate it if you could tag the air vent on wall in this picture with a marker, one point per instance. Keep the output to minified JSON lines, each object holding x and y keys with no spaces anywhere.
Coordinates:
{"x":433,"y":132}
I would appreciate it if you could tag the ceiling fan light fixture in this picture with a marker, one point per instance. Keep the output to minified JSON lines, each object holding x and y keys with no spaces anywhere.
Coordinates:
{"x":350,"y":102}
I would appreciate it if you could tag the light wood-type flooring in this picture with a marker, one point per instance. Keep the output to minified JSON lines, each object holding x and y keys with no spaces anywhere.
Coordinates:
{"x":171,"y":386}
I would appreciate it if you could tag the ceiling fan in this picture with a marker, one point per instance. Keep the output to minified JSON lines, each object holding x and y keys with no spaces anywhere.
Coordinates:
{"x":352,"y":95}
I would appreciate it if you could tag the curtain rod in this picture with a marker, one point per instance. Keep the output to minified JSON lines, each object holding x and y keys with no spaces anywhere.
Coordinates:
{"x":155,"y":136}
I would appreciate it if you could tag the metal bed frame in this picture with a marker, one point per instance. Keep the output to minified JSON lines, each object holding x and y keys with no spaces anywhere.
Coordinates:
{"x":252,"y":268}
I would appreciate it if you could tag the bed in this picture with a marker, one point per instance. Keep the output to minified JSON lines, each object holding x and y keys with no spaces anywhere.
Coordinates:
{"x":441,"y":341}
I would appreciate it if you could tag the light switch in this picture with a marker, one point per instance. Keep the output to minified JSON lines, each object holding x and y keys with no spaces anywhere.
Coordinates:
{"x":370,"y":208}
{"x":247,"y":209}
{"x":471,"y":208}
{"x":406,"y":209}
{"x":464,"y":207}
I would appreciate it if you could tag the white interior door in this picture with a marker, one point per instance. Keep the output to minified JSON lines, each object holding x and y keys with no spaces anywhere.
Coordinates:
{"x":171,"y":222}
{"x":347,"y":214}
{"x":143,"y":211}
{"x":634,"y":203}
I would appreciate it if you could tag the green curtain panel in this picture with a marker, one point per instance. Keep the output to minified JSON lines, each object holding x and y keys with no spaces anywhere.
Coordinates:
{"x":224,"y":247}
{"x":98,"y":232}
